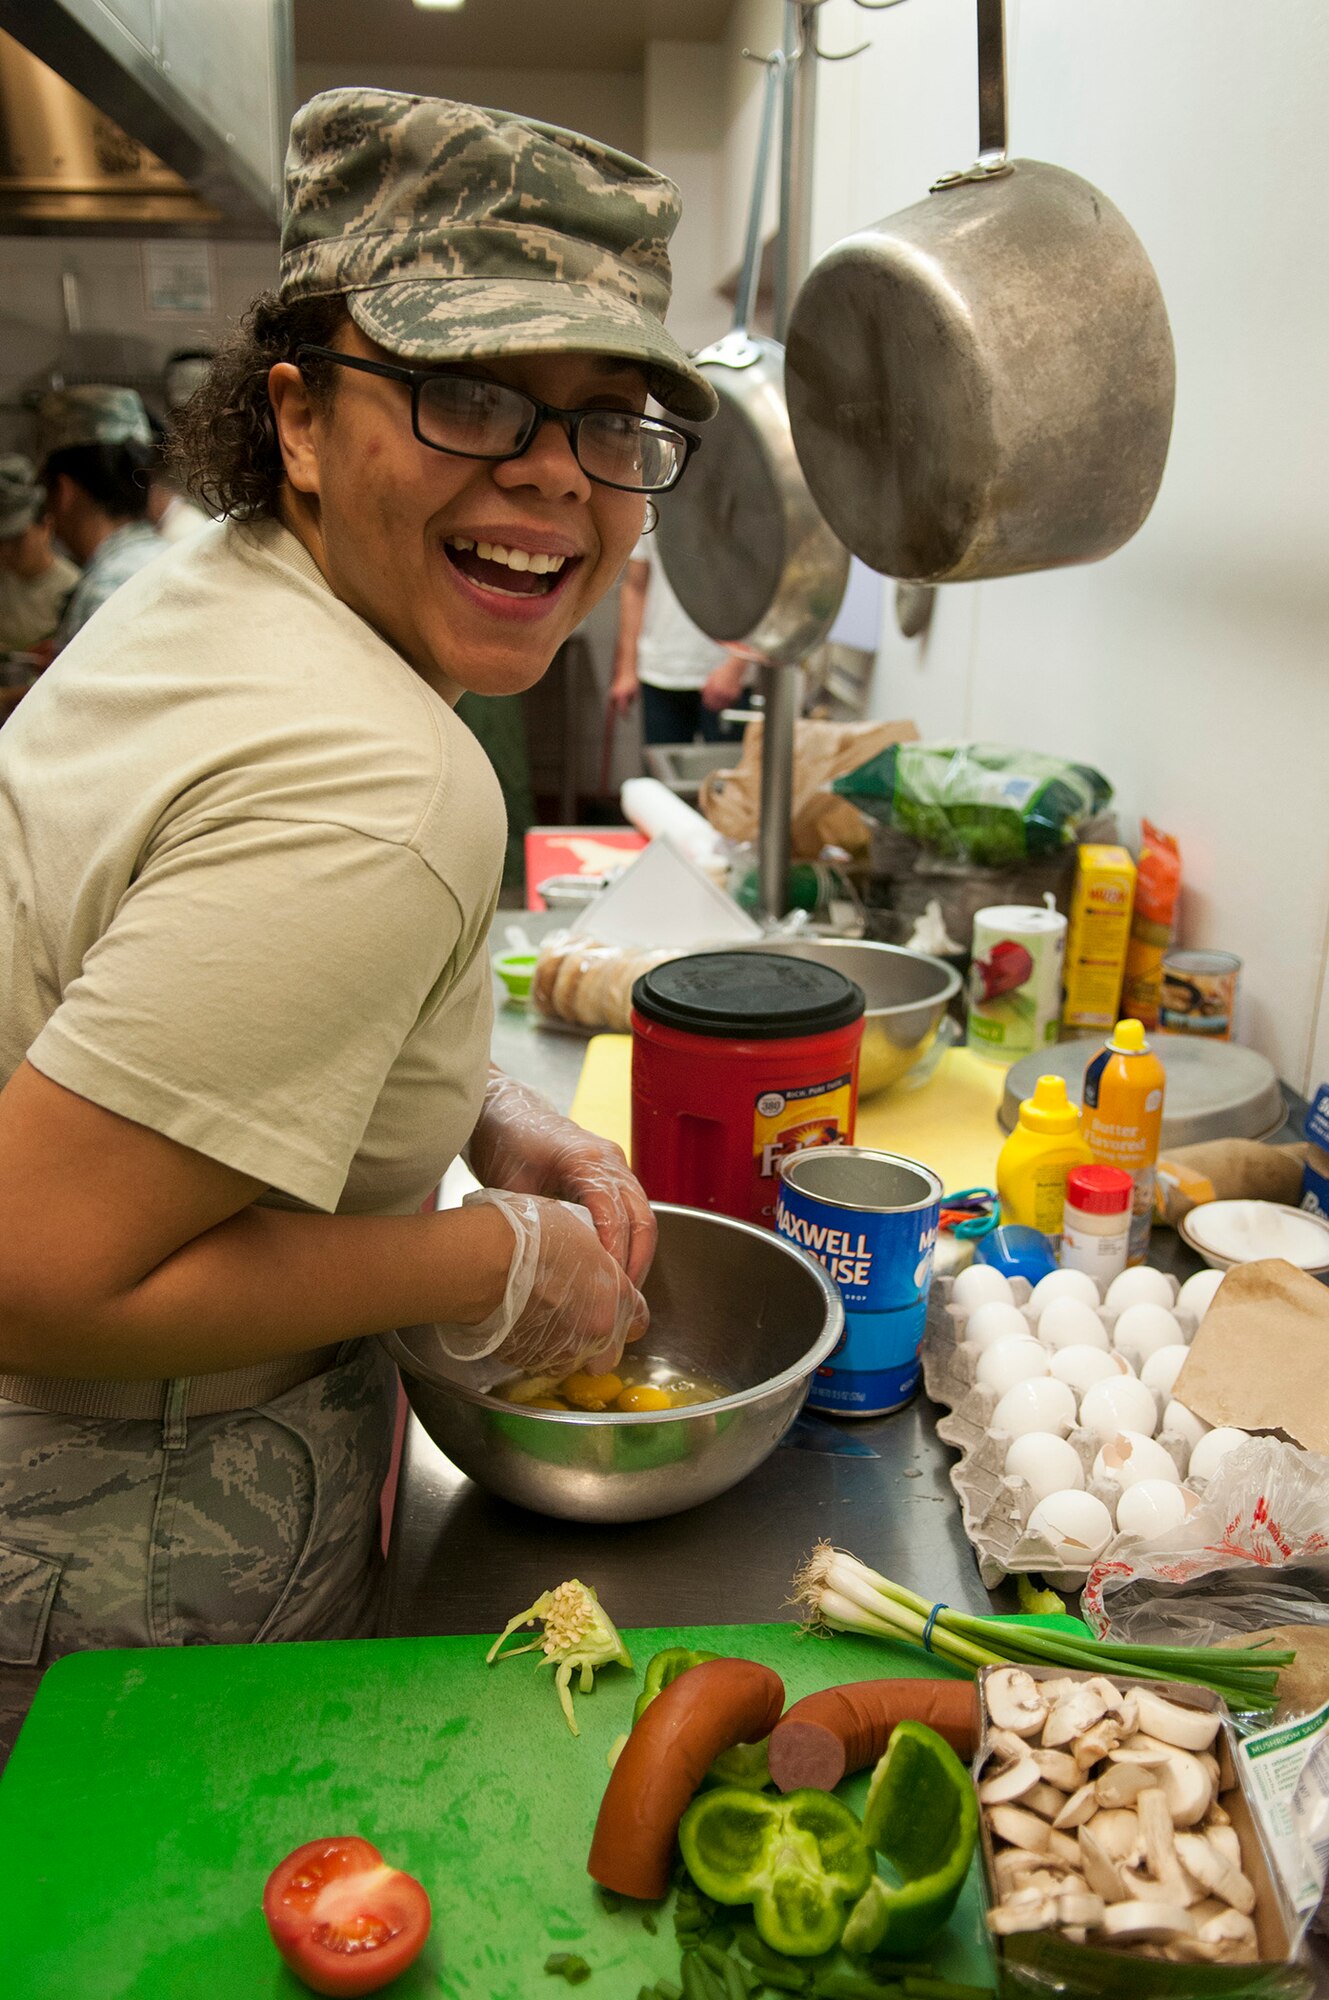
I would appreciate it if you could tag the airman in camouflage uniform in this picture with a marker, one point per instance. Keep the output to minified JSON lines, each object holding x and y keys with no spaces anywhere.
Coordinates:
{"x":452,"y":232}
{"x":93,"y":414}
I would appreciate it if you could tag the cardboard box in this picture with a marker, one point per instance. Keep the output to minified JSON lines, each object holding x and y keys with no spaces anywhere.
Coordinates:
{"x":1100,"y":932}
{"x":1037,"y":1963}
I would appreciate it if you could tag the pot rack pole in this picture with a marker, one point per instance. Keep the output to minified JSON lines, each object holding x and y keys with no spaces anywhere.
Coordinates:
{"x":781,"y":686}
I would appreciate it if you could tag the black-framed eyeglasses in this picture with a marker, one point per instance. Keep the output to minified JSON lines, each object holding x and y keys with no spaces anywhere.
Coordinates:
{"x":470,"y":416}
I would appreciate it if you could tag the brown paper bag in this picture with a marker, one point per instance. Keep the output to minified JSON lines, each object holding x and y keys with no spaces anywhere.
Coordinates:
{"x":823,"y":751}
{"x":1260,"y":1358}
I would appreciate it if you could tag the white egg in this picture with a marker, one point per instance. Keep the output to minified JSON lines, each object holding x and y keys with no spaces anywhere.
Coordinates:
{"x":1077,"y":1524}
{"x":1129,"y":1457}
{"x":1213,"y":1448}
{"x":1083,"y":1366}
{"x":1152,"y":1507}
{"x":1122,"y":1405}
{"x":1071,"y":1323}
{"x":981,"y":1285}
{"x":1162,"y":1368}
{"x":1140,"y":1286}
{"x":1062,"y":1285}
{"x":993,"y":1321}
{"x":1143,"y":1329}
{"x":1180,"y":1422}
{"x":1045,"y":1462}
{"x":1197,"y":1294}
{"x":1039,"y":1405}
{"x":1007,"y":1362}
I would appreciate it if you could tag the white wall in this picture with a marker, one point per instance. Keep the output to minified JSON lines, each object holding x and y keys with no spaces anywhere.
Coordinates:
{"x":1192,"y":666}
{"x":684,"y":124}
{"x":603,"y":103}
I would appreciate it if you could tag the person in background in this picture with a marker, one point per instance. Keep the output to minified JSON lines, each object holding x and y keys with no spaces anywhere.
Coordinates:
{"x":685,"y":678}
{"x":34,"y":581}
{"x":175,"y":518}
{"x":97,"y":451}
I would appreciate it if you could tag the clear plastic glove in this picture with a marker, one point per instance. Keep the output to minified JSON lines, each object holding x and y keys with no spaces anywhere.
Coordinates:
{"x":566,"y":1303}
{"x":522,"y":1143}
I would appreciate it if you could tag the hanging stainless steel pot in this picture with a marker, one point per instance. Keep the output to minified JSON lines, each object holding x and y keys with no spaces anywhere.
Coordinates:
{"x":744,"y":548}
{"x":983,"y":383}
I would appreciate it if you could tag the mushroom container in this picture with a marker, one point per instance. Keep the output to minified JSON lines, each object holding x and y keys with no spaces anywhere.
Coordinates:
{"x":1118,"y":1844}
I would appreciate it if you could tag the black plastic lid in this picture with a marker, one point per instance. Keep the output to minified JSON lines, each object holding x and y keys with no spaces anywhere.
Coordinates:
{"x":749,"y":996}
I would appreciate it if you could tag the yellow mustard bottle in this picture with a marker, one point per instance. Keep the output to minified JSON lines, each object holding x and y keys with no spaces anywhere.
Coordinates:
{"x":1033,"y":1164}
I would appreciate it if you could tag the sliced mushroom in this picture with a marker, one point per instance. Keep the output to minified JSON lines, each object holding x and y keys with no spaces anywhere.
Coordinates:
{"x":1141,"y":1749}
{"x":1186,"y":1788}
{"x":1160,"y":1848}
{"x":1014,"y":1701}
{"x":1226,"y":1839}
{"x":1039,"y":1914}
{"x":1210,"y":1762}
{"x":1122,"y":1784}
{"x":1215,"y":1816}
{"x":1145,"y":1923}
{"x":1080,"y":1907}
{"x":1022,"y":1829}
{"x":1184,"y":1728}
{"x":1235,"y":1936}
{"x":1017,"y":1868}
{"x":1077,"y":1809}
{"x":1005,"y":1745}
{"x":1097,"y":1742}
{"x":1214,"y":1872}
{"x":1100,"y":1871}
{"x":1063,"y":1848}
{"x":1058,"y":1768}
{"x":1118,"y":1834}
{"x":1045,"y":1800}
{"x":1078,"y":1710}
{"x":1011,"y":1783}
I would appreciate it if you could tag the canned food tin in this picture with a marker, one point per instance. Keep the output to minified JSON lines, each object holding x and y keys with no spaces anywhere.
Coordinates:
{"x":871,"y":1218}
{"x":1199,"y":993}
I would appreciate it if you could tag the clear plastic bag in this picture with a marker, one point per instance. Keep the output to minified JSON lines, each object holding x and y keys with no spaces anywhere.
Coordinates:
{"x":982,"y":801}
{"x":1254,"y":1553}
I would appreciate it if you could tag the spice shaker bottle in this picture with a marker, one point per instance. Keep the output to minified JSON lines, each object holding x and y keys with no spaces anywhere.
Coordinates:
{"x":1096,"y":1225}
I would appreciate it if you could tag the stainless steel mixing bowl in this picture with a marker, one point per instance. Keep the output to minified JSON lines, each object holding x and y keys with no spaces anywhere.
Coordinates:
{"x":907,"y":993}
{"x":731,"y":1301}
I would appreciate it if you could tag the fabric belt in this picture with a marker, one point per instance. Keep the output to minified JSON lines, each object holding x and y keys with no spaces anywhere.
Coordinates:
{"x":205,"y":1395}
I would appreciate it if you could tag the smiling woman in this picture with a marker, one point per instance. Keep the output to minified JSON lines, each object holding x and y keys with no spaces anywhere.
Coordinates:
{"x":248,"y":857}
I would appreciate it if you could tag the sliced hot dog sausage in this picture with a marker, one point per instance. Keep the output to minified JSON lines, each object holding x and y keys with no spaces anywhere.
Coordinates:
{"x":708,"y":1709}
{"x":825,"y":1736}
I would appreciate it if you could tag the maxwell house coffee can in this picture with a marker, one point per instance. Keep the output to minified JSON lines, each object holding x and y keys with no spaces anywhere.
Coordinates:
{"x":871,"y":1218}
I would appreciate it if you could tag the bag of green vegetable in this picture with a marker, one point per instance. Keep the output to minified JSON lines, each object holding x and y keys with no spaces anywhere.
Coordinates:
{"x":983,"y":801}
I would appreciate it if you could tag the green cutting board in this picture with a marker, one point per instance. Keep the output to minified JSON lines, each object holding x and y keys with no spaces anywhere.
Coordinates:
{"x":150,"y":1794}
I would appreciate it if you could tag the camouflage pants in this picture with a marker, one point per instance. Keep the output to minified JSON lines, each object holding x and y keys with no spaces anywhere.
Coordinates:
{"x":257,"y":1524}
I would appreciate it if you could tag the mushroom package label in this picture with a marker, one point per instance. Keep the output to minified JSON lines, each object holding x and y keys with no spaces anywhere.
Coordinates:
{"x":1287,"y":1774}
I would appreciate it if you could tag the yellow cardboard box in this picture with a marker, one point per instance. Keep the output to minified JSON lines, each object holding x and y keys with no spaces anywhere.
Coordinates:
{"x":1099,"y":935}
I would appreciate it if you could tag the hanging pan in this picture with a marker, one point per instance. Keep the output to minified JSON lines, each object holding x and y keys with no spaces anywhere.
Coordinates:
{"x":745,"y":550}
{"x":983,"y":383}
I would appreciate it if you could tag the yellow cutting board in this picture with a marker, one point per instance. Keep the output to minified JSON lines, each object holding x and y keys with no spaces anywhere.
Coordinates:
{"x":949,"y":1123}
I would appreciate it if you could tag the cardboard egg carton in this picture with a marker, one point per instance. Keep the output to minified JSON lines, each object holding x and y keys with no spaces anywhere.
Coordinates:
{"x":995,"y":1508}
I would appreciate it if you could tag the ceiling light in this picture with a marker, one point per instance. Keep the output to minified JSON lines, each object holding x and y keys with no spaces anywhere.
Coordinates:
{"x":443,"y":6}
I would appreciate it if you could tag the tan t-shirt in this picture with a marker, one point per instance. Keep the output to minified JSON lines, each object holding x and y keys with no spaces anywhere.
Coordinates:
{"x":30,"y":606}
{"x":248,"y":859}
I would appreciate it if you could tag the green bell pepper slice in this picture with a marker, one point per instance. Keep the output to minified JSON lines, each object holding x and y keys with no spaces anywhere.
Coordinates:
{"x":745,"y":1765}
{"x":799,"y":1860}
{"x":921,"y":1816}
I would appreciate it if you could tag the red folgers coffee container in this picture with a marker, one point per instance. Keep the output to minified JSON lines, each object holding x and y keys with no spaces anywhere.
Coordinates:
{"x":738,"y":1058}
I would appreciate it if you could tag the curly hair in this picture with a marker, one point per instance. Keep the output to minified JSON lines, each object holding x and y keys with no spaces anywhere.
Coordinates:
{"x":223,"y":447}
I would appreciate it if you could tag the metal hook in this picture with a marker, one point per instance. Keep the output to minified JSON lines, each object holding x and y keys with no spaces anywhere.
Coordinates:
{"x":823,"y":55}
{"x":876,"y":6}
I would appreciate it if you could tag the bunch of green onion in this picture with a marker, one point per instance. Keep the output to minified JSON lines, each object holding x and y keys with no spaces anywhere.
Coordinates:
{"x":839,"y":1593}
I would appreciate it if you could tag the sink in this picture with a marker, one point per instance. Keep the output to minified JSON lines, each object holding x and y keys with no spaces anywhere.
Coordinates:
{"x":682,"y":766}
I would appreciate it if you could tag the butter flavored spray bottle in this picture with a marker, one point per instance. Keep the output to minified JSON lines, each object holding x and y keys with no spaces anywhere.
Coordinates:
{"x":1123,"y":1115}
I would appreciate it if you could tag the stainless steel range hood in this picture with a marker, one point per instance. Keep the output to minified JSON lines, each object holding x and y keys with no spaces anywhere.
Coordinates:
{"x":126,"y":117}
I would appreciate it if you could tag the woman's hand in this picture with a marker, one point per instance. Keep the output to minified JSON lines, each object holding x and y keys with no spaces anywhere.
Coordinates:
{"x":522,"y":1143}
{"x":566,"y":1304}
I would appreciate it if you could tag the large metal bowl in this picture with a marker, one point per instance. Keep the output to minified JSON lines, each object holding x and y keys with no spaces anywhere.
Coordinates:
{"x":907,"y":993}
{"x":729,"y":1300}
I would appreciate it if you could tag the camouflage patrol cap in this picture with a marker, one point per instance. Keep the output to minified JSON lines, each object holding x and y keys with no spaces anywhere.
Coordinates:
{"x":21,"y":498}
{"x":91,"y":413}
{"x":458,"y":233}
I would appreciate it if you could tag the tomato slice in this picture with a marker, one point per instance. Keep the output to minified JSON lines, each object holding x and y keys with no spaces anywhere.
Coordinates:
{"x":344,"y":1921}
